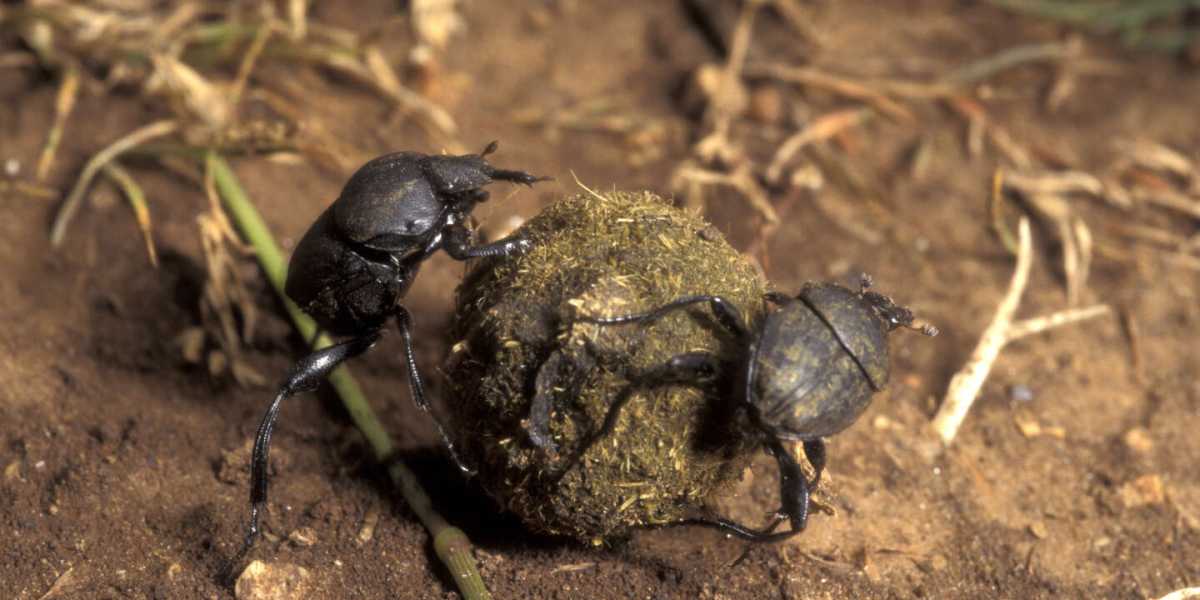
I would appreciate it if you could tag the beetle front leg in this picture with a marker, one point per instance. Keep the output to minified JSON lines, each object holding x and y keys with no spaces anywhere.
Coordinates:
{"x":457,"y":243}
{"x":794,"y":490}
{"x":727,"y":314}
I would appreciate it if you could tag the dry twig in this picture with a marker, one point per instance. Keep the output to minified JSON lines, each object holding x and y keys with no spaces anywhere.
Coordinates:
{"x":1028,"y":327}
{"x":849,"y":88}
{"x":820,"y":129}
{"x":1183,"y":594}
{"x":965,"y":385}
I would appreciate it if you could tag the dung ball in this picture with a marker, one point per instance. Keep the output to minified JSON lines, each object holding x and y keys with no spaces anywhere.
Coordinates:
{"x":522,"y":348}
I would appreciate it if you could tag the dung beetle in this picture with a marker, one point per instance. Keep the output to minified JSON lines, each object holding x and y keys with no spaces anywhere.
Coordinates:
{"x":353,"y":266}
{"x":806,"y":372}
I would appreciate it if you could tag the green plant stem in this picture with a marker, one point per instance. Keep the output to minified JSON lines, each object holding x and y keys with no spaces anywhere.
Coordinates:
{"x":450,"y":543}
{"x":1134,"y":20}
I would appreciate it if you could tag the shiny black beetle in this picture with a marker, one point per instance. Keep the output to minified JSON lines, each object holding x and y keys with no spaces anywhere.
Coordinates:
{"x":350,"y":271}
{"x":806,"y":372}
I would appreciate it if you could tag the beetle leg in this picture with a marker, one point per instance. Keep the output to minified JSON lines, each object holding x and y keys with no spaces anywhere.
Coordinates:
{"x":794,"y":490}
{"x":542,"y":404}
{"x":692,"y":368}
{"x":404,"y":321}
{"x":305,"y":376}
{"x":778,"y":298}
{"x":814,"y":450}
{"x":610,"y":422}
{"x":457,"y":243}
{"x":727,"y":314}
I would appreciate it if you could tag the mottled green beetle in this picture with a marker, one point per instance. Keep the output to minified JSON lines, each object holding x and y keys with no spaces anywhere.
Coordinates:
{"x":807,"y":372}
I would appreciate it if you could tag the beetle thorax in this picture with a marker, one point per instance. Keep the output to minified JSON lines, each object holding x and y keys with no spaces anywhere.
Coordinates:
{"x":806,"y":385}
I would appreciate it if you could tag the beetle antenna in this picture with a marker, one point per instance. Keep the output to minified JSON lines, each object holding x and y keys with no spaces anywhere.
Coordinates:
{"x":490,"y":148}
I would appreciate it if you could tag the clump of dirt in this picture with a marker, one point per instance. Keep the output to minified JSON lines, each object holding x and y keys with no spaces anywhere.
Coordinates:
{"x":536,"y":384}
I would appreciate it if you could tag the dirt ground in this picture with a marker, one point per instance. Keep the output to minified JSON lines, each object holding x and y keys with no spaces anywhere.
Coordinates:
{"x":124,"y":466}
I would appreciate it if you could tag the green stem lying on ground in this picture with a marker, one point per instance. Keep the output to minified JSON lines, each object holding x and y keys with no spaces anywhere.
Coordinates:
{"x":1148,"y":24}
{"x":449,"y":542}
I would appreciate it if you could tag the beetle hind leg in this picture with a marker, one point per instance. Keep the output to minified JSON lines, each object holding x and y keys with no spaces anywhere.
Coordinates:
{"x":305,"y":376}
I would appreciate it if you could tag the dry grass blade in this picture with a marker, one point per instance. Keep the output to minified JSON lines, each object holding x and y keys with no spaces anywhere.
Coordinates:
{"x":1057,"y":183}
{"x":983,"y":69}
{"x":190,"y":93}
{"x":965,"y":385}
{"x":28,"y":189}
{"x":375,"y":71}
{"x":1066,"y":77}
{"x":1027,"y":327}
{"x":980,"y":129}
{"x":137,"y":202}
{"x":226,"y":295}
{"x":64,"y":103}
{"x":64,"y":584}
{"x":996,"y":210}
{"x":297,"y":17}
{"x":728,"y":97}
{"x":1047,"y":194}
{"x":1170,"y":199}
{"x":249,"y":59}
{"x":1157,"y":157}
{"x":808,"y":76}
{"x":691,"y":179}
{"x":820,"y":129}
{"x":797,"y":19}
{"x":134,"y":139}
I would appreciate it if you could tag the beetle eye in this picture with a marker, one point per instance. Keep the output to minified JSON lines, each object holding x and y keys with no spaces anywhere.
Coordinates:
{"x":410,"y":225}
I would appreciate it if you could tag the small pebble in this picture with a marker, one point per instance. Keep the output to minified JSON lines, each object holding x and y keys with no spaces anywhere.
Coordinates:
{"x":1038,"y":529}
{"x":939,"y":562}
{"x":370,"y":520}
{"x":1138,"y":439}
{"x":277,"y":581}
{"x":767,"y":105}
{"x":304,"y":537}
{"x":1020,"y":393}
{"x":1143,"y":491}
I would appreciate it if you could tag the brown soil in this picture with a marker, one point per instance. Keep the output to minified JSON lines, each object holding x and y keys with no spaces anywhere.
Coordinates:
{"x":123,"y":467}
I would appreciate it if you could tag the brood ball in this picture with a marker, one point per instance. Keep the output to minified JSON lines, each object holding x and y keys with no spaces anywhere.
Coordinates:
{"x":532,"y":384}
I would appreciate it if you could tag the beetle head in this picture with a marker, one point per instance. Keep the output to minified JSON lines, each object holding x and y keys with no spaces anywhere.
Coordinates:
{"x":462,"y":178}
{"x":892,"y":314}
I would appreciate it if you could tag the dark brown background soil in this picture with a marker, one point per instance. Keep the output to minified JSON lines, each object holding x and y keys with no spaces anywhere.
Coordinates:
{"x":116,"y":454}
